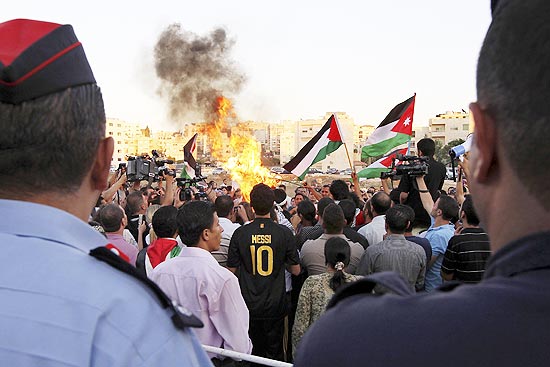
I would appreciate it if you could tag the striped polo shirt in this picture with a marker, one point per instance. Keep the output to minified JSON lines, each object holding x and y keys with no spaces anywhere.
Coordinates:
{"x":467,"y":255}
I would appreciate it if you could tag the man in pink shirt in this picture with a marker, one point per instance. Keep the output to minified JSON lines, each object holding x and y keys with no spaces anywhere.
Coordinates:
{"x":114,"y":220}
{"x":197,"y":282}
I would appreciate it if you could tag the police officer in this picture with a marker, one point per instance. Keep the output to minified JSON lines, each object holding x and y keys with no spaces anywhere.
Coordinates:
{"x":60,"y":306}
{"x":502,"y":321}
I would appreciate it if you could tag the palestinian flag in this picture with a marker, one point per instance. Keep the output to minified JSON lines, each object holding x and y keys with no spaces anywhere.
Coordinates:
{"x":394,"y":130}
{"x":189,"y":161}
{"x":326,"y":141}
{"x":384,"y":164}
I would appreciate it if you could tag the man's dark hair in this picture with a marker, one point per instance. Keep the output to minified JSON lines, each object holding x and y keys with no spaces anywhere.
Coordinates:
{"x":307,"y":210}
{"x":348,"y":208}
{"x":110,"y":217}
{"x":512,"y":87}
{"x":409,"y":212}
{"x":337,"y":250}
{"x":397,"y":218}
{"x":49,"y":143}
{"x":426,"y":146}
{"x":339,"y":190}
{"x":448,"y":207}
{"x":333,"y":219}
{"x":164,"y":221}
{"x":193,"y":218}
{"x":262,"y":199}
{"x":224,"y":205}
{"x":380,"y":202}
{"x":134,"y":201}
{"x":280,"y":196}
{"x":322,"y":204}
{"x":470,"y":211}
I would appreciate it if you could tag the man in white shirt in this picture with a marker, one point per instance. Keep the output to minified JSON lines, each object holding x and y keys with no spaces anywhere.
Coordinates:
{"x":225,"y":208}
{"x":374,"y":231}
{"x":197,"y":282}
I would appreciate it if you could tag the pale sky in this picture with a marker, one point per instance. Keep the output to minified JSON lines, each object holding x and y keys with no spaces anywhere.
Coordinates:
{"x":301,"y":58}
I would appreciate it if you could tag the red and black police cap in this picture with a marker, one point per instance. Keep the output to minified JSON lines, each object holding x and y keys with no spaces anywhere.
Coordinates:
{"x":38,"y":58}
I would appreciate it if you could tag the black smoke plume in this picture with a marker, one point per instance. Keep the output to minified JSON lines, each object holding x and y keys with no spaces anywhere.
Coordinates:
{"x":195,"y":70}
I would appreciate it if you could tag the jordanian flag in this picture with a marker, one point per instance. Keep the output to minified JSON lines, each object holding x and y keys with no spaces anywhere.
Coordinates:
{"x":394,"y":130}
{"x":382,"y":165}
{"x":323,"y":143}
{"x":189,"y":161}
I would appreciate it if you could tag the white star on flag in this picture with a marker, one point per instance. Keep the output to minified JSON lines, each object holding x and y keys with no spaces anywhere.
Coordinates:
{"x":407,"y":121}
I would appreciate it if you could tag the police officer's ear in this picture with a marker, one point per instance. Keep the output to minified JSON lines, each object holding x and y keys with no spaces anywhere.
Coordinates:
{"x":99,"y":173}
{"x":484,"y":145}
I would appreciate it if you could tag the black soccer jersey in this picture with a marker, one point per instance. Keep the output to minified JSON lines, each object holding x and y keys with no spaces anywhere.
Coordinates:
{"x":261,"y":249}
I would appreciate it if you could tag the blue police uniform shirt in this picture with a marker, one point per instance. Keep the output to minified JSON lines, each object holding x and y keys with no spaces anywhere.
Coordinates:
{"x":502,"y":321}
{"x":61,"y":307}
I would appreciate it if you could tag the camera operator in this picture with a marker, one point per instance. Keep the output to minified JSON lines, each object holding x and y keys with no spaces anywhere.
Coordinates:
{"x":408,"y":189}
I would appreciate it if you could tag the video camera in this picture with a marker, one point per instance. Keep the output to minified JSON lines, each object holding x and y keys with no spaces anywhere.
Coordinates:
{"x":186,"y":193}
{"x":146,"y":168}
{"x":414,"y":166}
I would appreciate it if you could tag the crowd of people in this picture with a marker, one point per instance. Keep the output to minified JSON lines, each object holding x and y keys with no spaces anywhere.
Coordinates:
{"x":144,"y":275}
{"x":260,"y":273}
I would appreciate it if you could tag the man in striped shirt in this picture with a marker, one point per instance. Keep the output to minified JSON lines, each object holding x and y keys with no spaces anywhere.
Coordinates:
{"x":468,"y":251}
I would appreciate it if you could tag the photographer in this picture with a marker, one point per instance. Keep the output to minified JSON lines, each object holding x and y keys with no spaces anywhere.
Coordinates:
{"x":409,"y":194}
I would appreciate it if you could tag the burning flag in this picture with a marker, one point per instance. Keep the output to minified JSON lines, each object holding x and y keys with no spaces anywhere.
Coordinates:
{"x":195,"y":73}
{"x":243,"y":156}
{"x":190,"y":169}
{"x":326,"y":141}
{"x":394,"y":130}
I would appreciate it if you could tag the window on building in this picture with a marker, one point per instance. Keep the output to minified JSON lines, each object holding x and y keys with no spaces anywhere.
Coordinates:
{"x":110,"y":133}
{"x":466,"y":127}
{"x":110,"y":124}
{"x":454,"y":128}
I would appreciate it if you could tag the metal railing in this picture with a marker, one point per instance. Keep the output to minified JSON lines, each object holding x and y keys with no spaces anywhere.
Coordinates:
{"x":245,"y":357}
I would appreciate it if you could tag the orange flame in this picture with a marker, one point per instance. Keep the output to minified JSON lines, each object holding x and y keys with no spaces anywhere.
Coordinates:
{"x":242,"y":157}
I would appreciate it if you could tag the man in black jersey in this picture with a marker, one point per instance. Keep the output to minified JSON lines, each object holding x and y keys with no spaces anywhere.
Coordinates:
{"x":260,"y":250}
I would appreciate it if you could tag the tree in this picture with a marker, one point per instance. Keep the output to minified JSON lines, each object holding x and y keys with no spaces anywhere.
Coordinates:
{"x":442,"y":152}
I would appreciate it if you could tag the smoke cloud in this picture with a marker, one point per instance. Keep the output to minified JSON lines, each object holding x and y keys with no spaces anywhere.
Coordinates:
{"x":195,"y":70}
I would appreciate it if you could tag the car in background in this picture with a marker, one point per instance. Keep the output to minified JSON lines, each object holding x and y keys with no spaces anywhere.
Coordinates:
{"x":313,"y":171}
{"x":279,"y":170}
{"x":333,"y":171}
{"x":219,"y":171}
{"x":449,"y":173}
{"x":346,"y":172}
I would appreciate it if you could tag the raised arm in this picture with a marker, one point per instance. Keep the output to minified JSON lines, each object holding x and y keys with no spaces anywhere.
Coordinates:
{"x":425,"y":196}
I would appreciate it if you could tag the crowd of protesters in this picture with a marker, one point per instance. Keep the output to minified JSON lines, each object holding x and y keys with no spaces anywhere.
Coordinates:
{"x":278,"y":276}
{"x":290,"y":253}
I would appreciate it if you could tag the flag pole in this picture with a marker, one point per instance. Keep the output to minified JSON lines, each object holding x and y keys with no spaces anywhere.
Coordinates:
{"x":349,"y":159}
{"x":343,"y":141}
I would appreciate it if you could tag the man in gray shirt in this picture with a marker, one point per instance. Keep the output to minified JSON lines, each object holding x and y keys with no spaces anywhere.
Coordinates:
{"x":312,"y":255}
{"x":395,"y":253}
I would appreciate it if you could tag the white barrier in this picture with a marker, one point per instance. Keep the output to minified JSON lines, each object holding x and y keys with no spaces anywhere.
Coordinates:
{"x":245,"y":357}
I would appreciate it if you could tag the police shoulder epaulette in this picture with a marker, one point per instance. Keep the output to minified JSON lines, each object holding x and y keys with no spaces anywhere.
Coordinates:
{"x":181,"y":317}
{"x":388,"y":279}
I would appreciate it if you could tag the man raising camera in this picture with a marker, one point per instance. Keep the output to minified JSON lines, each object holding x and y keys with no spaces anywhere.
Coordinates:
{"x":434,"y":181}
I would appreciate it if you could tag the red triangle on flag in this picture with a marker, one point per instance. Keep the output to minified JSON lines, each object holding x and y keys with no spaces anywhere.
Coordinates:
{"x":404,"y":125}
{"x":387,"y":161}
{"x":334,"y":133}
